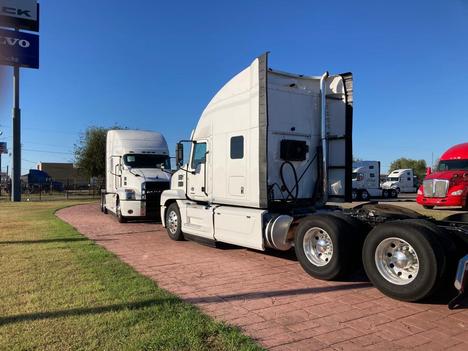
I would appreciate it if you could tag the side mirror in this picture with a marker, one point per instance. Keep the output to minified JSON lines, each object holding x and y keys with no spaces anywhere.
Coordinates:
{"x":179,"y":154}
{"x":428,"y":171}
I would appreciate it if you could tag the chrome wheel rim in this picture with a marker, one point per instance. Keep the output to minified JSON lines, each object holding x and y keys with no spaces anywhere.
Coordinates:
{"x":397,"y":261}
{"x":365,"y":195}
{"x":172,"y":222}
{"x":318,"y":246}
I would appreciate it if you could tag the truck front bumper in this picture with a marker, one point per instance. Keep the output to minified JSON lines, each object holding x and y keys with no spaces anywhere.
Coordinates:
{"x":439,"y":201}
{"x":133,"y":208}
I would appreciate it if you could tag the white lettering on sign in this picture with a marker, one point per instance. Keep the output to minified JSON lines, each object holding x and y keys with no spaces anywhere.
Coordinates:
{"x":14,"y":41}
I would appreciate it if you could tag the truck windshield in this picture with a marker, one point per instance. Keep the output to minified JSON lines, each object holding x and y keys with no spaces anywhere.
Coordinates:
{"x":453,"y":165}
{"x":393,"y":179}
{"x":147,"y":161}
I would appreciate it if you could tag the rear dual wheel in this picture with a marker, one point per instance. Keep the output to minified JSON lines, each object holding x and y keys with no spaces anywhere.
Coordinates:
{"x":326,"y":246}
{"x":405,"y":259}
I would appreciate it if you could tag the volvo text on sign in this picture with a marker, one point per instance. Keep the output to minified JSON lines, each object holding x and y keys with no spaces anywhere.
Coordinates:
{"x":19,"y":49}
{"x":20,"y":14}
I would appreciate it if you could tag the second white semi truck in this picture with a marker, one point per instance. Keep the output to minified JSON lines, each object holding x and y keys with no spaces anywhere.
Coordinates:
{"x":402,"y":180}
{"x":137,"y":171}
{"x":270,"y":149}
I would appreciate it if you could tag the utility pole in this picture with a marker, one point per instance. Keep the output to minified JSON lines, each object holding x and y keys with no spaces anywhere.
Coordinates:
{"x":16,"y":172}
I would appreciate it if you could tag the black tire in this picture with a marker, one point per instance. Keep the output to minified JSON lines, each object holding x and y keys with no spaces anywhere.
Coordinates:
{"x":103,"y":204}
{"x":357,"y":231}
{"x":172,"y":212}
{"x":430,"y":254}
{"x":451,"y":252}
{"x":385,"y":194}
{"x":428,"y":207}
{"x":354,"y":195}
{"x":365,"y":195}
{"x":118,"y":212}
{"x":329,"y":267}
{"x":393,"y":193}
{"x":397,"y":190}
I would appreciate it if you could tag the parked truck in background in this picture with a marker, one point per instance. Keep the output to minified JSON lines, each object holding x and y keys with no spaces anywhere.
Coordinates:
{"x":36,"y":181}
{"x":136,"y":173}
{"x":448,"y":184}
{"x":366,"y":182}
{"x":269,"y":151}
{"x":402,"y":180}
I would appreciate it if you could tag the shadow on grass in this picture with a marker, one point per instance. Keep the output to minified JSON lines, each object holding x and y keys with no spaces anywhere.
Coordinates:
{"x":46,"y":241}
{"x":277,"y":293}
{"x":42,"y":241}
{"x":85,"y":311}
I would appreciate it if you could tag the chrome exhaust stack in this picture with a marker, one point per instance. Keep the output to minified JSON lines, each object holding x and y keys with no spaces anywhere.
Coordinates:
{"x":324,"y":132}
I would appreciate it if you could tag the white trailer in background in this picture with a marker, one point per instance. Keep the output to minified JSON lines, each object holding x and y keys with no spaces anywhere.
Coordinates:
{"x":268,"y":152}
{"x":366,"y":182}
{"x":134,"y":178}
{"x":402,"y":180}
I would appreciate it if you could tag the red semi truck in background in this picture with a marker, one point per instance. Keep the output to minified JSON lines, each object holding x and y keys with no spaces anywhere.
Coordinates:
{"x":448,"y":184}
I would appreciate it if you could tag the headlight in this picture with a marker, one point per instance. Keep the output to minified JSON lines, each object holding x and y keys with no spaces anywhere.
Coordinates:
{"x":420,"y":192}
{"x":457,"y":192}
{"x":129,"y":194}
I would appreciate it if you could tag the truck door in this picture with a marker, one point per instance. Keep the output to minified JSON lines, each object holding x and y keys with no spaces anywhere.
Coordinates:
{"x":199,"y":214}
{"x":197,"y":177}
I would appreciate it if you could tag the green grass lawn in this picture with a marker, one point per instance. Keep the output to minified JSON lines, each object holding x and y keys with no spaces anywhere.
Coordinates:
{"x":60,"y":291}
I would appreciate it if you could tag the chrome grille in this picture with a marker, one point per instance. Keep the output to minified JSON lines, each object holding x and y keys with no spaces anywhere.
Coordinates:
{"x":428,"y":188}
{"x":435,"y":187}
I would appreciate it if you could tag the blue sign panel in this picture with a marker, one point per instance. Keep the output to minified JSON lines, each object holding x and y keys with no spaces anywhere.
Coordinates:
{"x":19,"y":49}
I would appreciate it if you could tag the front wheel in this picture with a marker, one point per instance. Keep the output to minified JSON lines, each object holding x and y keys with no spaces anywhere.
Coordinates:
{"x":393,"y":193}
{"x":365,"y":195}
{"x":322,"y":245}
{"x":118,"y":211}
{"x":403,"y":260}
{"x":173,"y":222}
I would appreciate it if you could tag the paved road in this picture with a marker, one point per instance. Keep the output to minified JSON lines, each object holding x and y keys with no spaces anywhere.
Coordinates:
{"x":270,"y":297}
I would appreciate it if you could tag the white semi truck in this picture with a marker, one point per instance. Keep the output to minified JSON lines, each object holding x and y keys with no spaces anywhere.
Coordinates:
{"x":137,"y":165}
{"x":366,"y":182}
{"x":268,"y":152}
{"x":402,"y":180}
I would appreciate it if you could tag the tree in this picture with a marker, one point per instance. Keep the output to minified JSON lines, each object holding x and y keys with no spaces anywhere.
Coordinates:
{"x":90,"y":152}
{"x":418,"y":166}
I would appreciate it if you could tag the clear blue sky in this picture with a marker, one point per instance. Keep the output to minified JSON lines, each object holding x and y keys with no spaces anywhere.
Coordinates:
{"x":156,"y":64}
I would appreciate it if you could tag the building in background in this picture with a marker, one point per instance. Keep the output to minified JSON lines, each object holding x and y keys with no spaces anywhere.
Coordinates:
{"x":66,"y":173}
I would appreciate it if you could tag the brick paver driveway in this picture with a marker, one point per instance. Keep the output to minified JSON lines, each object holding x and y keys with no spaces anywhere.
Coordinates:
{"x":270,"y":297}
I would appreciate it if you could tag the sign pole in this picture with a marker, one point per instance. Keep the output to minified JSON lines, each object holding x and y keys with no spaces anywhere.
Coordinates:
{"x":16,"y":176}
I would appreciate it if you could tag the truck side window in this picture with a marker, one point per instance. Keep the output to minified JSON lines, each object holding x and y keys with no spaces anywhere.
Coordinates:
{"x":372,"y":175}
{"x":199,"y":154}
{"x":237,"y":147}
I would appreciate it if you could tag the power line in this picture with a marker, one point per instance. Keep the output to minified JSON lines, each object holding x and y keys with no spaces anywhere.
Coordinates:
{"x":50,"y":152}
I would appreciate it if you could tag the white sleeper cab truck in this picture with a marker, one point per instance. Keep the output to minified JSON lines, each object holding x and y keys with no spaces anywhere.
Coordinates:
{"x":137,"y":166}
{"x":402,"y":180}
{"x":366,"y":182}
{"x":268,"y":152}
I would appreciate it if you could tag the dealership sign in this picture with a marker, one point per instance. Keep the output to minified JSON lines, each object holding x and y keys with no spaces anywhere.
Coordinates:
{"x":3,"y":147}
{"x":20,"y":14}
{"x":19,"y":49}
